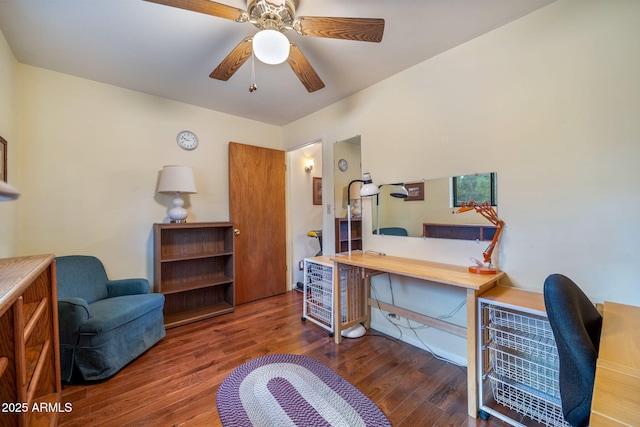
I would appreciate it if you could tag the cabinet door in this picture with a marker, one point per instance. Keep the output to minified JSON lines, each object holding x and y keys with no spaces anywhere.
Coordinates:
{"x":257,"y":206}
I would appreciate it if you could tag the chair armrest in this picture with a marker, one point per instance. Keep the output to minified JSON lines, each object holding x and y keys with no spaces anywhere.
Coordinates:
{"x":118,"y":288}
{"x":72,"y":312}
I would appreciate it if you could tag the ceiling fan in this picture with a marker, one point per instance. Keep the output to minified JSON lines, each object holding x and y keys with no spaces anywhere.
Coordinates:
{"x":272,"y":18}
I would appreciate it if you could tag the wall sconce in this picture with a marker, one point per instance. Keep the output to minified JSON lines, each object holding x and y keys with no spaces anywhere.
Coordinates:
{"x":177,"y":179}
{"x":308,"y":165}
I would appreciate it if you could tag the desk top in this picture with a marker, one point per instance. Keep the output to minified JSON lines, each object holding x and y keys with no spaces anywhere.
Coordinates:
{"x":449,"y":274}
{"x":620,"y":338}
{"x":16,"y":274}
{"x":616,"y":392}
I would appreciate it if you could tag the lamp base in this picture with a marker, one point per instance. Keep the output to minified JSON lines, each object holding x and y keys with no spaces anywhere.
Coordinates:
{"x":178,"y":221}
{"x":482,"y":269}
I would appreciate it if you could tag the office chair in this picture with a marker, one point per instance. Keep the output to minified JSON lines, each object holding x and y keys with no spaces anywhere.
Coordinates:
{"x":576,"y":326}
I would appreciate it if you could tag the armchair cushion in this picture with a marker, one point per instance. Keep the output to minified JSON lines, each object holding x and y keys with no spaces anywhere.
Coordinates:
{"x":110,"y":313}
{"x":82,"y":277}
{"x":118,"y":288}
{"x":104,"y":324}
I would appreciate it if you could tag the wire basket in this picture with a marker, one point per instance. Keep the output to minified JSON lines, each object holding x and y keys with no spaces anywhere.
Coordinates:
{"x":318,"y":293}
{"x":531,"y":403}
{"x":531,"y":373}
{"x":528,"y":324}
{"x":539,"y":348}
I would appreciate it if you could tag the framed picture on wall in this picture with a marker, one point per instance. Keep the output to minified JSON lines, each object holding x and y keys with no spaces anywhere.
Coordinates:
{"x":317,"y":191}
{"x":3,"y":159}
{"x":415,"y":190}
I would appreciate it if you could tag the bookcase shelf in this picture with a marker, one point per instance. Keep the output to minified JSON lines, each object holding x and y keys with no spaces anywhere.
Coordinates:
{"x":194,"y":269}
{"x":342,"y":234}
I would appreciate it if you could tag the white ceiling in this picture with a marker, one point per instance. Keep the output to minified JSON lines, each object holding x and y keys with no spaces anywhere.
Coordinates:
{"x":170,"y":52}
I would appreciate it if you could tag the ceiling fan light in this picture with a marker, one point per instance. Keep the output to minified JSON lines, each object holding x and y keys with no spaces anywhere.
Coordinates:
{"x":271,"y":47}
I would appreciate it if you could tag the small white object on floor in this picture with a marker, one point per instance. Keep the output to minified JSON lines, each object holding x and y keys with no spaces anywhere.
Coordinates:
{"x":356,"y":331}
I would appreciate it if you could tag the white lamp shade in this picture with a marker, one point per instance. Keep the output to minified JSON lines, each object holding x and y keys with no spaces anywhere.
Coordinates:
{"x":177,"y":179}
{"x":399,"y":191}
{"x":8,"y":192}
{"x":369,"y":188}
{"x":271,"y":47}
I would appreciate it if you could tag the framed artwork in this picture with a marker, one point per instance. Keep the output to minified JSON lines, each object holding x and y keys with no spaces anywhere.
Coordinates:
{"x":317,"y":191}
{"x":3,"y":159}
{"x":415,"y":190}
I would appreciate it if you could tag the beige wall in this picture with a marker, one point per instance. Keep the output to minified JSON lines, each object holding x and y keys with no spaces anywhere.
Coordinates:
{"x":9,"y":131}
{"x":92,"y":155}
{"x":551,"y":103}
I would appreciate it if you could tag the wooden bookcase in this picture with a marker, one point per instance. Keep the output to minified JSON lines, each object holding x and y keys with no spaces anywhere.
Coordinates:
{"x":29,"y":342}
{"x":342,"y":234}
{"x":194,"y":269}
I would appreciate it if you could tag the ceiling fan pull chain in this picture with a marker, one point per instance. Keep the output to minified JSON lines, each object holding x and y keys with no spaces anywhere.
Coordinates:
{"x":253,"y":86}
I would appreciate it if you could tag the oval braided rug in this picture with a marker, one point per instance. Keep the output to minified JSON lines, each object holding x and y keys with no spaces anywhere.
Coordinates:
{"x":281,"y":390}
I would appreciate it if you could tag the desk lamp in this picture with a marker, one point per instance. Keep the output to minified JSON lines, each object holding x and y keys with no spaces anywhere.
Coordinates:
{"x":398,"y":191}
{"x":486,"y":210}
{"x":8,"y":192}
{"x":177,"y":179}
{"x":368,"y":189}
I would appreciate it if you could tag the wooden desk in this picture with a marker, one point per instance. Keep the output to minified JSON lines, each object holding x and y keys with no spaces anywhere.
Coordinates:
{"x":616,"y":392}
{"x":452,"y":275}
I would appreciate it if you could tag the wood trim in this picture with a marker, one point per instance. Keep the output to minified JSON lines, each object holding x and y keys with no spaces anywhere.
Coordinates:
{"x":451,"y":328}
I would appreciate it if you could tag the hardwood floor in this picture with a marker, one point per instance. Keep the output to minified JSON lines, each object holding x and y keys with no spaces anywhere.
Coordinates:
{"x":175,"y":382}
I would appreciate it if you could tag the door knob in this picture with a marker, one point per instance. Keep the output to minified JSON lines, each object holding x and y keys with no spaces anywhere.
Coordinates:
{"x":236,"y":231}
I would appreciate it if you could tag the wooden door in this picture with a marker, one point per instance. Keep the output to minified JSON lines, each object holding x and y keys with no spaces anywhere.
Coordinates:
{"x":257,"y":210}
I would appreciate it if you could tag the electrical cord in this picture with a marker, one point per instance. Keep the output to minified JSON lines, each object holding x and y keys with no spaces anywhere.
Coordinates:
{"x":414,"y":329}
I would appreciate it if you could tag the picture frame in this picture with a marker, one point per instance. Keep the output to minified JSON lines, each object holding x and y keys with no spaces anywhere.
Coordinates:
{"x":317,"y":190}
{"x":415,"y":190}
{"x":3,"y":159}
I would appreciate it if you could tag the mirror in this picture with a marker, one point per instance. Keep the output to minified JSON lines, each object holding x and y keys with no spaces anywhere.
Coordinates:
{"x":429,"y":211}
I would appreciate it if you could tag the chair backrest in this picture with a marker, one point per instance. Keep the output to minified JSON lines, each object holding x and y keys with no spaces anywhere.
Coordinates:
{"x":576,"y":326}
{"x":392,"y":231}
{"x":81,"y":276}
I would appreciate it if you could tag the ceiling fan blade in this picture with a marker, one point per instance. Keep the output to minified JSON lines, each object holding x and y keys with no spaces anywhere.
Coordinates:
{"x":207,"y":7}
{"x":361,"y":29}
{"x":234,"y":60}
{"x":303,"y":69}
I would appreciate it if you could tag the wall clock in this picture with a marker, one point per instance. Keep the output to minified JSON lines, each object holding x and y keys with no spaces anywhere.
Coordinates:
{"x":187,"y":140}
{"x":343,"y":165}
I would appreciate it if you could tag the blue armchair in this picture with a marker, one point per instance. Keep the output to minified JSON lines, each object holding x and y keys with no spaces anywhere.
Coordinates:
{"x":104,"y":324}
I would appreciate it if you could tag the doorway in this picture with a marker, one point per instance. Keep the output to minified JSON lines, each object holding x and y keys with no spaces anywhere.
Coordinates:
{"x":304,"y":170}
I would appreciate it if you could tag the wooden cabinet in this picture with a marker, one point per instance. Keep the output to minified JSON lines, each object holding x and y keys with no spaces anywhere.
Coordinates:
{"x":194,"y":269}
{"x":342,"y":234}
{"x":30,"y":388}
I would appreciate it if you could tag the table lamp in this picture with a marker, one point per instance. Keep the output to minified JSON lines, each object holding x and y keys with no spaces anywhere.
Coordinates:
{"x":486,"y":210}
{"x":368,"y":189}
{"x":177,"y":179}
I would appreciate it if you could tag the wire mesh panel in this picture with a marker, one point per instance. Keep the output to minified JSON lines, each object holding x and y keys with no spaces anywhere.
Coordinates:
{"x":318,"y":293}
{"x":525,"y":371}
{"x":527,"y":401}
{"x":520,"y":362}
{"x":520,"y":322}
{"x":540,"y":348}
